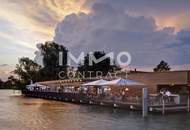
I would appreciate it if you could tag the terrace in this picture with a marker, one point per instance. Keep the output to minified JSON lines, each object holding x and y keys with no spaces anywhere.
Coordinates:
{"x":127,"y":96}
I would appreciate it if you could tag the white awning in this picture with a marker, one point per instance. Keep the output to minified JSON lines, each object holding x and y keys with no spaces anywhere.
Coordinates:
{"x":95,"y":83}
{"x":35,"y":85}
{"x":122,"y":82}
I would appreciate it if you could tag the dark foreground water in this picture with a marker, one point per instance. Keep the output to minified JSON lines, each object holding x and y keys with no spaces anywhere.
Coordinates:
{"x":21,"y":113}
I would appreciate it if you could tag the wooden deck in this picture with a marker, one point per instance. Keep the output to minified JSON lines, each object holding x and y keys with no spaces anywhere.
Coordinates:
{"x":169,"y":108}
{"x":82,"y":99}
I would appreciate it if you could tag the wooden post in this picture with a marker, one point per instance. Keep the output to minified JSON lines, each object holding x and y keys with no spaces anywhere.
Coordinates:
{"x":188,"y":104}
{"x":145,"y":102}
{"x":163,"y":106}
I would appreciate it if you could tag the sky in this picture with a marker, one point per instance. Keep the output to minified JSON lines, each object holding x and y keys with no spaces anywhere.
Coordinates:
{"x":150,"y":30}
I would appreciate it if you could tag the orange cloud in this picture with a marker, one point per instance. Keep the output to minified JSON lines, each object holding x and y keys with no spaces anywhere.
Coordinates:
{"x":36,"y":19}
{"x":179,"y":22}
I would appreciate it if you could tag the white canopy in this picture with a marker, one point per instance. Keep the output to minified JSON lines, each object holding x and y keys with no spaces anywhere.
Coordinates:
{"x":35,"y":85}
{"x":31,"y":86}
{"x":121,"y":82}
{"x":95,"y":83}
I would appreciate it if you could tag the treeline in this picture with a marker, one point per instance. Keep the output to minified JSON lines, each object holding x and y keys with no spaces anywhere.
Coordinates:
{"x":28,"y":70}
{"x":1,"y":84}
{"x":11,"y":83}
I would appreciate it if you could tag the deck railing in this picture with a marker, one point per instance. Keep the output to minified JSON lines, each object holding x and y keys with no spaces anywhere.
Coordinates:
{"x":168,"y":100}
{"x":87,"y":96}
{"x":153,"y":99}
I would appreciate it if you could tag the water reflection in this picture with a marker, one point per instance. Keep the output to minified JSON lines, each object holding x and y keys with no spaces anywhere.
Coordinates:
{"x":17,"y":112}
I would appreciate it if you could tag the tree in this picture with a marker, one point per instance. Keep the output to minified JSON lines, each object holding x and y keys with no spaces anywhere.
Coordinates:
{"x":13,"y":83}
{"x":1,"y":83}
{"x":91,"y":70}
{"x":162,"y":67}
{"x":50,"y":52}
{"x":27,"y":70}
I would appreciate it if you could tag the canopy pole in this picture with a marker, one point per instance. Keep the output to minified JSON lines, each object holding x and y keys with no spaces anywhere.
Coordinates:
{"x":144,"y":102}
{"x":163,"y":106}
{"x":188,"y":104}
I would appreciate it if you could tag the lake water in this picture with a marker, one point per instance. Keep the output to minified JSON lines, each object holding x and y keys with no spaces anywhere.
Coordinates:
{"x":22,"y":113}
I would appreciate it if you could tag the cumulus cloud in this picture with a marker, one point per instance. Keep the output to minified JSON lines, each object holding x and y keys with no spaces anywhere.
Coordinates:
{"x":142,"y":6}
{"x":110,"y":29}
{"x":33,"y":21}
{"x":184,"y":36}
{"x":182,"y":46}
{"x":166,"y":12}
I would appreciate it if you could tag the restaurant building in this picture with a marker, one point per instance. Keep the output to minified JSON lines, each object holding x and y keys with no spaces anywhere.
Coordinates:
{"x":177,"y":82}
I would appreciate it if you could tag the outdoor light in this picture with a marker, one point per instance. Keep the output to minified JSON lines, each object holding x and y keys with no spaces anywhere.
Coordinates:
{"x":126,"y":89}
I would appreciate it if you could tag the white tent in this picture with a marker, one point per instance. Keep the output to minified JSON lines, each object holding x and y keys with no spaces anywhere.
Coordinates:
{"x":121,"y":82}
{"x":32,"y":86}
{"x":95,"y":83}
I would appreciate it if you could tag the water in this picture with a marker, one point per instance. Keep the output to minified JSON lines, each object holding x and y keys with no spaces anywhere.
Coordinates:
{"x":21,"y":113}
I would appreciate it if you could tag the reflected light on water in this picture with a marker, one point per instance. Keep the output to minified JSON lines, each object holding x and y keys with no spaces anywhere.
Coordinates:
{"x":22,"y":113}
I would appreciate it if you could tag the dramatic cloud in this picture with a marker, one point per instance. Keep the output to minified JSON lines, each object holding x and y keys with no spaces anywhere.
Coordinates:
{"x":184,"y":36}
{"x":124,"y":24}
{"x":110,"y":29}
{"x":160,"y":7}
{"x":166,"y":12}
{"x":27,"y":22}
{"x":183,"y":46}
{"x":24,"y":23}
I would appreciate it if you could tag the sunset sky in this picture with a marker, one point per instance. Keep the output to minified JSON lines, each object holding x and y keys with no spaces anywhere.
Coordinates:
{"x":77,"y":24}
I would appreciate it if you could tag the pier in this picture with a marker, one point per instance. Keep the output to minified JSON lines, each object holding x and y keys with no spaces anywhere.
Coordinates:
{"x":124,"y":96}
{"x":83,"y":99}
{"x":133,"y":103}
